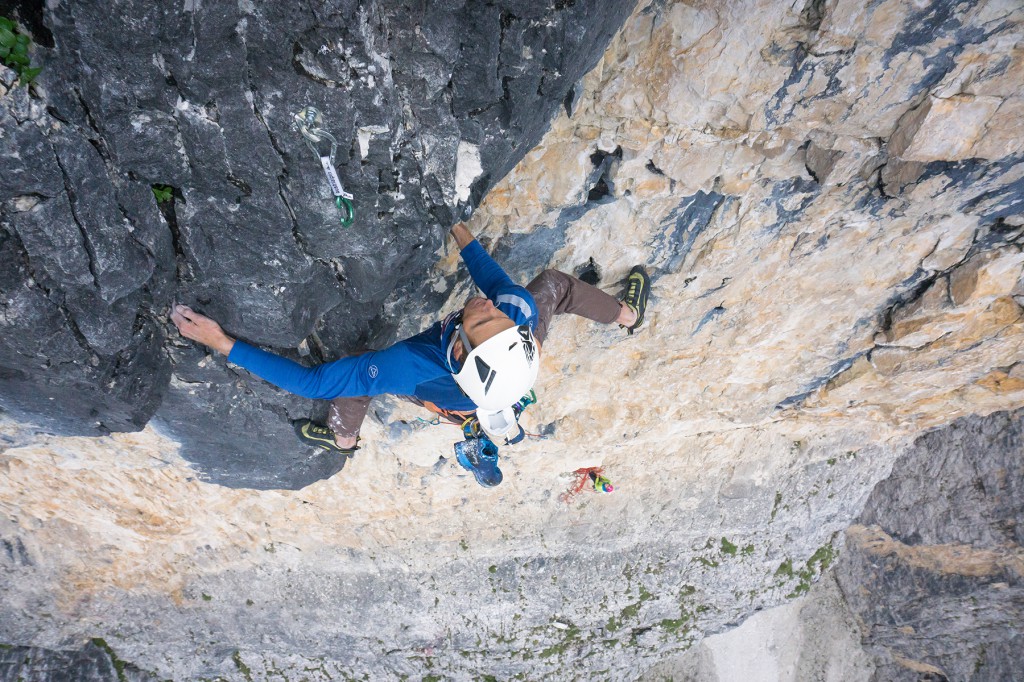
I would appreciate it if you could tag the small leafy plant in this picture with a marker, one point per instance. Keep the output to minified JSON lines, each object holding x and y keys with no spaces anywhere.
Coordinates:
{"x":14,"y":51}
{"x":163,"y":193}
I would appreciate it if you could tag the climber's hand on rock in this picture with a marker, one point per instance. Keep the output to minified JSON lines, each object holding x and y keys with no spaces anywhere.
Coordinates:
{"x":461,"y":234}
{"x":200,"y":328}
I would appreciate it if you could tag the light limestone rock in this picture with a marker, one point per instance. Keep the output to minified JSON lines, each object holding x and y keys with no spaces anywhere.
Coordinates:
{"x":952,"y":128}
{"x":813,"y":638}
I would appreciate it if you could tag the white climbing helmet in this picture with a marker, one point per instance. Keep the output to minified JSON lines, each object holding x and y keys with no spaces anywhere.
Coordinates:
{"x":500,"y":370}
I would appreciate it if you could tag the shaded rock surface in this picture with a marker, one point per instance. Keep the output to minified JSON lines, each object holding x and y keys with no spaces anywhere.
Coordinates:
{"x":94,"y":662}
{"x":836,"y":271}
{"x":934,"y":568}
{"x":430,"y":104}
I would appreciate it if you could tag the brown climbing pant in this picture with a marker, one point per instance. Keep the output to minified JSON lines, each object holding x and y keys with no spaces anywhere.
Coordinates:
{"x":554,"y":292}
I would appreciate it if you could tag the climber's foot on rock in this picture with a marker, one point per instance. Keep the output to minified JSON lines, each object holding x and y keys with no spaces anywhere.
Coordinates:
{"x":634,"y":298}
{"x":311,"y":433}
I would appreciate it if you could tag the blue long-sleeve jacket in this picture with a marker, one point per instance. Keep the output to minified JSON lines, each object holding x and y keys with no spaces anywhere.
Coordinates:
{"x":417,"y":366}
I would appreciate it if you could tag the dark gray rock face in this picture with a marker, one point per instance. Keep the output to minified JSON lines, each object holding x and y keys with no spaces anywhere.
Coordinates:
{"x":200,"y":98}
{"x":94,"y":662}
{"x":934,"y":571}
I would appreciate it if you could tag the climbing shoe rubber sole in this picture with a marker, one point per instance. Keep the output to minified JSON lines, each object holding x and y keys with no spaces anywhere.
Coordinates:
{"x":638,"y":290}
{"x":311,"y":433}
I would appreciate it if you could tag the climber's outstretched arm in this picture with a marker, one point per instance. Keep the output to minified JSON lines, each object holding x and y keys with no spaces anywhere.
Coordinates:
{"x":392,"y":370}
{"x":487,"y":274}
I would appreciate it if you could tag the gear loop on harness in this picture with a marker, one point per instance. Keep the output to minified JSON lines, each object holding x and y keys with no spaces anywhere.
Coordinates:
{"x":309,"y":123}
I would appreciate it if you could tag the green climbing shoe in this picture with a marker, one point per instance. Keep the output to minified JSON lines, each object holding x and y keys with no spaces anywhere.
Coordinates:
{"x":311,"y":433}
{"x":638,"y":289}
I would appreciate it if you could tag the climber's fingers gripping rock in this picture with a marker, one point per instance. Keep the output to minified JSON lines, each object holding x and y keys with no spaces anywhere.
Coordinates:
{"x":201,"y":328}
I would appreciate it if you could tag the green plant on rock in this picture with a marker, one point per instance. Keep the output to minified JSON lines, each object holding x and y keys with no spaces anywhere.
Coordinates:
{"x":571,"y":636}
{"x":14,"y":47}
{"x":819,"y":562}
{"x":241,"y":666}
{"x":824,"y":556}
{"x":119,"y":665}
{"x":673,"y":625}
{"x":163,"y":193}
{"x":775,"y":507}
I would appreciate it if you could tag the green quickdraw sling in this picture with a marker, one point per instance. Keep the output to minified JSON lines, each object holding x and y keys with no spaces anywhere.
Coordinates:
{"x":309,"y":123}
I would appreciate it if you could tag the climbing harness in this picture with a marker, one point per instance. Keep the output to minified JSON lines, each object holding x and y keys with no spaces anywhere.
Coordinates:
{"x":593,"y":475}
{"x":309,"y":123}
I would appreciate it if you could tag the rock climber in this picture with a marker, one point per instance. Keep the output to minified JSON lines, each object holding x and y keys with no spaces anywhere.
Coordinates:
{"x":472,"y":367}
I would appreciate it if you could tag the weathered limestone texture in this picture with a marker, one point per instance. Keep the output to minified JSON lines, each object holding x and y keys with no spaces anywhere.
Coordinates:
{"x":829,"y":196}
{"x":749,"y":164}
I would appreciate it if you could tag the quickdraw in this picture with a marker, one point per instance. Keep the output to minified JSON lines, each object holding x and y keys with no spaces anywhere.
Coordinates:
{"x":309,"y":123}
{"x":524,"y":402}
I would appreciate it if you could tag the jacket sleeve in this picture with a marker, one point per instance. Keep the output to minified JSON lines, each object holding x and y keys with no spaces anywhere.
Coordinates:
{"x":373,"y":373}
{"x":486,"y":273}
